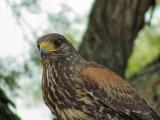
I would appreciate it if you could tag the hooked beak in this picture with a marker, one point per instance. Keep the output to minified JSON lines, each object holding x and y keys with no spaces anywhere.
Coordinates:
{"x":43,"y":52}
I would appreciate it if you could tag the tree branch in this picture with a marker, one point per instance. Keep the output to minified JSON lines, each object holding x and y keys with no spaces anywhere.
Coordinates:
{"x":147,"y":83}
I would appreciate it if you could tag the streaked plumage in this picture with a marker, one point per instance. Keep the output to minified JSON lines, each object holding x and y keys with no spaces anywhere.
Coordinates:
{"x":76,"y":89}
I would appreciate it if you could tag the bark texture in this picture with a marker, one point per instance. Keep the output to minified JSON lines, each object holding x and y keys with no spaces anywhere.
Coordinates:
{"x":109,"y":39}
{"x":113,"y":26}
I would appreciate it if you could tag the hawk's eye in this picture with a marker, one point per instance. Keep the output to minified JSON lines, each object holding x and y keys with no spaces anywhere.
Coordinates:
{"x":57,"y":43}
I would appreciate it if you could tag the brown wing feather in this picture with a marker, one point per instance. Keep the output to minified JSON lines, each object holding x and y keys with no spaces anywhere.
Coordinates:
{"x":113,"y":91}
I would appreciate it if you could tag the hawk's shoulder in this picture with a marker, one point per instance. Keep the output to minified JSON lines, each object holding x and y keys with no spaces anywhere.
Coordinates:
{"x":112,"y":90}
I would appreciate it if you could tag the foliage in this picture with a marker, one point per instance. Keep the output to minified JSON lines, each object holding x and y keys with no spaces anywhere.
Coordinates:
{"x":146,"y":48}
{"x":5,"y":105}
{"x":8,"y":80}
{"x":8,"y":73}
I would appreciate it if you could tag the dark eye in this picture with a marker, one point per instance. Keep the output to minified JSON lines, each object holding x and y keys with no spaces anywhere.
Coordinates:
{"x":57,"y":43}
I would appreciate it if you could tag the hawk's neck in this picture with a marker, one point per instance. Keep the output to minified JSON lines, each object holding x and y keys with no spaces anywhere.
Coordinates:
{"x":58,"y":79}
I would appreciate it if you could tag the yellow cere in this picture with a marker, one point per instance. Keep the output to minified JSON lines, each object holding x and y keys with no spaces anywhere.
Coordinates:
{"x":48,"y":46}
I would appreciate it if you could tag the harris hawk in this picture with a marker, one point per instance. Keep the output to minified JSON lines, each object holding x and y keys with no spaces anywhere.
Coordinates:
{"x":76,"y":89}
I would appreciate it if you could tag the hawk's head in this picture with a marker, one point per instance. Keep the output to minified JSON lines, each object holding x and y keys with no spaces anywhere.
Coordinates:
{"x":54,"y":44}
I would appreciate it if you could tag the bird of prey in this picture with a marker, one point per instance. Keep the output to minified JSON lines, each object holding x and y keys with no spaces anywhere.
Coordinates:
{"x":76,"y":89}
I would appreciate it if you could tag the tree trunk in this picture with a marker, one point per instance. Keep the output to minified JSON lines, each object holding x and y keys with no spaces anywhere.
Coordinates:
{"x":113,"y":26}
{"x":109,"y":39}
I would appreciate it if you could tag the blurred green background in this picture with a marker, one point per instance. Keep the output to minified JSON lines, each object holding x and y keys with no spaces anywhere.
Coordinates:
{"x":23,"y":21}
